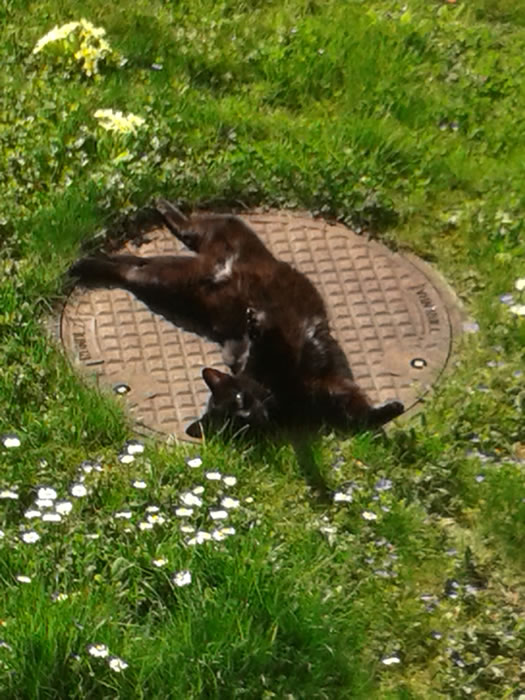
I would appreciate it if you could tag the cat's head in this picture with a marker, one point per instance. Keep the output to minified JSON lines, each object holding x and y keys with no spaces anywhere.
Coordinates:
{"x":236,"y":402}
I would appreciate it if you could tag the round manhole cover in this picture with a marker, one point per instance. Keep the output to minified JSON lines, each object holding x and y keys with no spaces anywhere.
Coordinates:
{"x":394,"y":317}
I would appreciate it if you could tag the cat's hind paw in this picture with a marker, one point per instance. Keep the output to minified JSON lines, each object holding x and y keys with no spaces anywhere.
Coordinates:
{"x":173,"y":217}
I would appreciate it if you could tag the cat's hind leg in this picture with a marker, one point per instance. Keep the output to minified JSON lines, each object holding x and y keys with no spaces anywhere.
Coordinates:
{"x":179,"y":225}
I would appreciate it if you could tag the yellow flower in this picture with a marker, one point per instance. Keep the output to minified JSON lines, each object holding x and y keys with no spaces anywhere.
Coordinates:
{"x":92,"y":47}
{"x":117,"y":121}
{"x":55,"y":34}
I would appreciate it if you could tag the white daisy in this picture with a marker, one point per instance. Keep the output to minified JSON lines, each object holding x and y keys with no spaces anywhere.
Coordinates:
{"x":328,"y":530}
{"x":139,"y":484}
{"x":117,"y":664}
{"x":51,"y":517}
{"x":10,"y":440}
{"x":182,"y":578}
{"x":23,"y":579}
{"x":249,"y":499}
{"x":32,"y":513}
{"x":229,"y":480}
{"x":391,"y":660}
{"x":47,"y":493}
{"x":29,"y":536}
{"x":156,"y":519}
{"x":145,"y":526}
{"x":517,"y":309}
{"x":218,"y":514}
{"x":228,"y":530}
{"x":187,"y":528}
{"x":59,"y":597}
{"x":198,"y":490}
{"x":230,"y":503}
{"x":520,"y":284}
{"x":100,"y":651}
{"x":152,"y":509}
{"x":8,"y":494}
{"x":44,"y":503}
{"x":125,"y":458}
{"x":63,"y":507}
{"x":221,"y":533}
{"x":200,"y":537}
{"x":340,"y":497}
{"x":213,"y":476}
{"x":369,"y":515}
{"x":134,"y":447}
{"x":190,"y":499}
{"x":194,"y":462}
{"x":160,"y":562}
{"x":87,"y":466}
{"x":123,"y":515}
{"x":78,"y":490}
{"x":183,"y":512}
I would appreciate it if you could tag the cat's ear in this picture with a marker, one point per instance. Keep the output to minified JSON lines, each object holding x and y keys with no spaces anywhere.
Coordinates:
{"x":194,"y":429}
{"x":214,"y":378}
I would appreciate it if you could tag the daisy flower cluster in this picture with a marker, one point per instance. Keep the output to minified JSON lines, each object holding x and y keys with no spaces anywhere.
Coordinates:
{"x":81,"y":40}
{"x":48,"y":507}
{"x":203,"y":511}
{"x":101,"y":651}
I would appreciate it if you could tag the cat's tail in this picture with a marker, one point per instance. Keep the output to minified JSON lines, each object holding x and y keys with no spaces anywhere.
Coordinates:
{"x":174,"y":219}
{"x":361,"y":413}
{"x":384,"y":412}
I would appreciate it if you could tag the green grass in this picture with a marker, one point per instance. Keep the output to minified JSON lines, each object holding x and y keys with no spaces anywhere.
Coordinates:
{"x":405,"y":120}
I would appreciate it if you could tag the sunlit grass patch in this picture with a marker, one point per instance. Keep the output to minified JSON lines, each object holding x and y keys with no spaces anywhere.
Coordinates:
{"x":403,"y":576}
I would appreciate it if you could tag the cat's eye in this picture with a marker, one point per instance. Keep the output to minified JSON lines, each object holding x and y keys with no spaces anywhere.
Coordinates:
{"x":239,"y":399}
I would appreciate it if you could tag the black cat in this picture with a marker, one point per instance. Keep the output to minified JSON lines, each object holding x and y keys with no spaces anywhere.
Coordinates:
{"x":271,"y":321}
{"x":237,"y":403}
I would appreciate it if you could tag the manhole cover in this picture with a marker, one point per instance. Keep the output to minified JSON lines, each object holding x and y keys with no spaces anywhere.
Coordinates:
{"x":394,"y":317}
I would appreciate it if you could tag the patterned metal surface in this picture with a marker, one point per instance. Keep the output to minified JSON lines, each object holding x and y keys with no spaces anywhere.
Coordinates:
{"x":395,"y":319}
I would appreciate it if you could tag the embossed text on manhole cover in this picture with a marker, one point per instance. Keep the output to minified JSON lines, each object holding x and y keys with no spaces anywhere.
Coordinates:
{"x":393,"y":316}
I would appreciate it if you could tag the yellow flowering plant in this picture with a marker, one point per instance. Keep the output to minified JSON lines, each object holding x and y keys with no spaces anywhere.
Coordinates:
{"x":114,"y":120}
{"x":78,"y":43}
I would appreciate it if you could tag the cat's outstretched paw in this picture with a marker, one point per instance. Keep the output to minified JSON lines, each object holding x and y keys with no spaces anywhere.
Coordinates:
{"x":91,"y":269}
